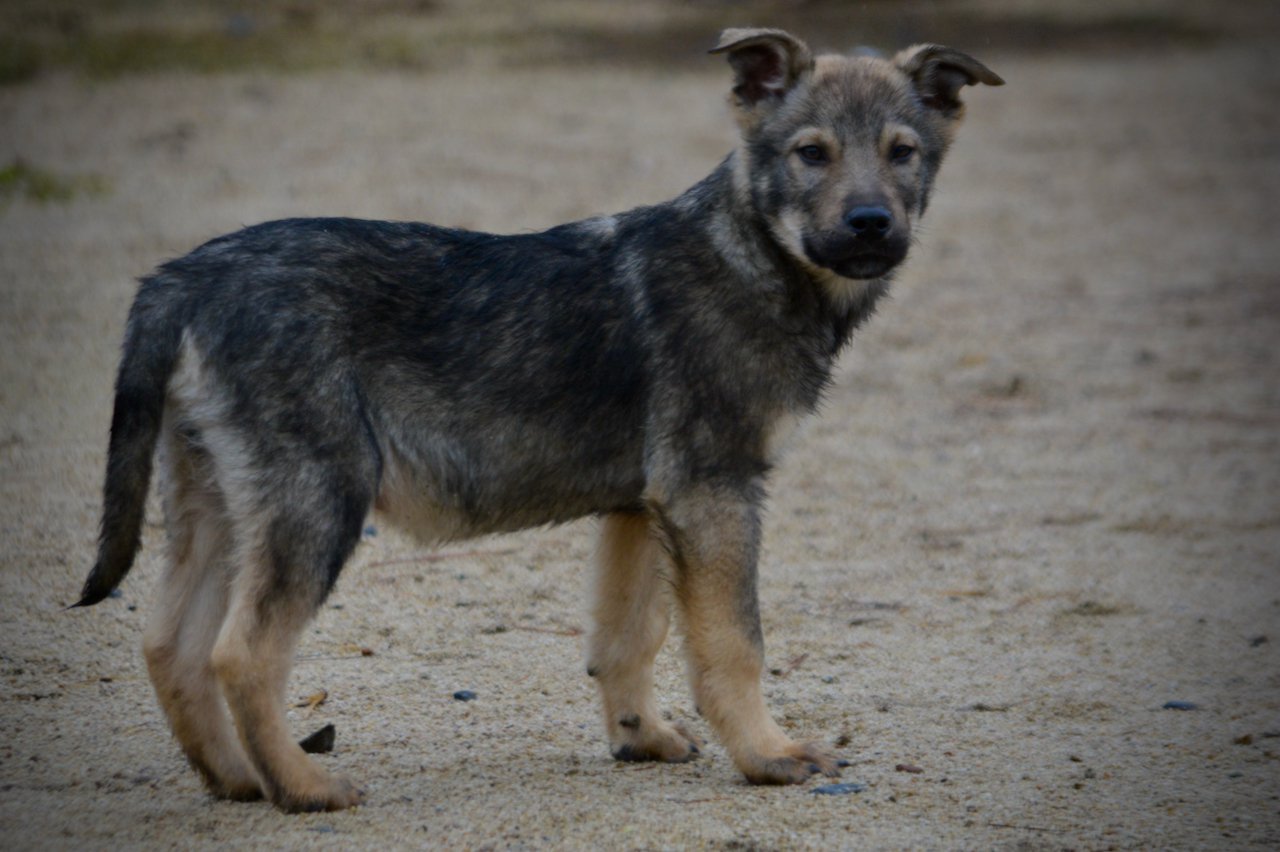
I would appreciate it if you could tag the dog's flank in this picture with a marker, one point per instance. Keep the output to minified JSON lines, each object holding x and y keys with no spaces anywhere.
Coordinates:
{"x":644,"y":367}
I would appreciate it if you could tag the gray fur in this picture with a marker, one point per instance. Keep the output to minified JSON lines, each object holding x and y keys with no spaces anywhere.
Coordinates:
{"x":467,"y":383}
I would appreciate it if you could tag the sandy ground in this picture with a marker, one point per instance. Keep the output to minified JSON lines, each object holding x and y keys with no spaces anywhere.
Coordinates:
{"x":1042,"y":500}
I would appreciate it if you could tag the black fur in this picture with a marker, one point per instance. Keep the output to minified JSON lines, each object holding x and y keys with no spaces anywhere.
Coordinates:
{"x":151,"y":343}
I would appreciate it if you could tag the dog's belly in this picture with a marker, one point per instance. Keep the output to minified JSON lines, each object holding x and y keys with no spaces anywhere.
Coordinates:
{"x":442,"y":490}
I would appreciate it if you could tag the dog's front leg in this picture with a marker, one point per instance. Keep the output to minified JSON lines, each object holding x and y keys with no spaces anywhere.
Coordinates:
{"x":632,"y":611}
{"x":715,"y":541}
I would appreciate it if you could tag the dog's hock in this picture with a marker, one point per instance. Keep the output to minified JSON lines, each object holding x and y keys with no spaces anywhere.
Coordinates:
{"x":766,"y":63}
{"x":939,"y":73}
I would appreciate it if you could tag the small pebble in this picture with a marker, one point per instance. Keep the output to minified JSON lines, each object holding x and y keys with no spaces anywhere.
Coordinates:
{"x":907,"y":767}
{"x":321,"y":742}
{"x":370,"y":531}
{"x":464,"y":695}
{"x":838,"y":789}
{"x":1180,"y":705}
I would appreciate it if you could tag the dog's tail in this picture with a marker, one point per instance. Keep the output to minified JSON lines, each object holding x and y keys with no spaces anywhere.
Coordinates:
{"x":152,"y":339}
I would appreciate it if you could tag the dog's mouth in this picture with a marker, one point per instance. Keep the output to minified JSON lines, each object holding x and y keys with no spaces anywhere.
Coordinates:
{"x":849,"y":257}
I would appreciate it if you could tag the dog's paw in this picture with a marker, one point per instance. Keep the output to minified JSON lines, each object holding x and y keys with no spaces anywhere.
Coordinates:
{"x":799,"y":763}
{"x":336,"y":794}
{"x":233,"y":780}
{"x":241,"y":791}
{"x":658,"y":741}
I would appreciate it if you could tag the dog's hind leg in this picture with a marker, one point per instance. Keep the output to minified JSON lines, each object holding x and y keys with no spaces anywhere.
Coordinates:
{"x":715,"y":541}
{"x":632,"y":610}
{"x":192,"y":603}
{"x":292,"y":555}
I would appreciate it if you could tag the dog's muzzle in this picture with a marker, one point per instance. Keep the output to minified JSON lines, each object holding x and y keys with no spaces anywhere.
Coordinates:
{"x":869,"y":246}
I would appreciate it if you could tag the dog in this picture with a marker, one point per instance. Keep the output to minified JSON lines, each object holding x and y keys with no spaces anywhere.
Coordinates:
{"x":643,"y":368}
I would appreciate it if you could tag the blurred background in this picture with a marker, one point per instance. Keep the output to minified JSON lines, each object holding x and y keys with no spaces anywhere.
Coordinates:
{"x":1037,"y":518}
{"x":112,"y":37}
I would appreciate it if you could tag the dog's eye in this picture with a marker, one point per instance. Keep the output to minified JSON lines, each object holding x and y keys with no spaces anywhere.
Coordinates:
{"x":901,"y":153}
{"x":812,"y":154}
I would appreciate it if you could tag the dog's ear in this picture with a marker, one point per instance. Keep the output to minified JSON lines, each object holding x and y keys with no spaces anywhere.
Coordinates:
{"x":939,"y":73}
{"x":766,"y":65}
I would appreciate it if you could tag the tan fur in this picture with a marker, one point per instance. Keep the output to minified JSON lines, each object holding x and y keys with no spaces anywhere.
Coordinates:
{"x":208,"y":640}
{"x":180,"y":636}
{"x":713,"y":585}
{"x":632,"y":610}
{"x":413,"y":505}
{"x":782,"y":434}
{"x":252,"y":657}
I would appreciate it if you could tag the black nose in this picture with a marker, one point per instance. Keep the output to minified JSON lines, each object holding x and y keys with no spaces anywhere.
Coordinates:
{"x":869,"y":221}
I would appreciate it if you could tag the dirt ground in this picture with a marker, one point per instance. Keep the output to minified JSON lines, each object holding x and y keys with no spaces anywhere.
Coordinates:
{"x":1041,"y":501}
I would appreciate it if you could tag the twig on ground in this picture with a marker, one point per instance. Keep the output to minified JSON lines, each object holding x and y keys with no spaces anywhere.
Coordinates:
{"x":441,"y":556}
{"x":554,"y":631}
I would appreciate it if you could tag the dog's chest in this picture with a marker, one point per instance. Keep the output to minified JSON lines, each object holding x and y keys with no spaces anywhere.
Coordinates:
{"x":781,"y":434}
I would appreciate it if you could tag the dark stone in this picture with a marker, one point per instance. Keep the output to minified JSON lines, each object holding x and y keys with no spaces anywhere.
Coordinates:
{"x":838,"y":789}
{"x":321,"y":742}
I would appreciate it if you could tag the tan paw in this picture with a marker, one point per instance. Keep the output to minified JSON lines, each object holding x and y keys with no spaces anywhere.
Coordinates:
{"x":242,"y":791}
{"x":233,"y":780}
{"x":334,"y":794}
{"x":797,"y":764}
{"x":655,"y":740}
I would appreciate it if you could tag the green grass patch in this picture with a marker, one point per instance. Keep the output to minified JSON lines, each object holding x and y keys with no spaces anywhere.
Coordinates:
{"x":116,"y":38}
{"x":113,"y":38}
{"x":19,"y":61}
{"x":137,"y":51}
{"x":20,"y":179}
{"x":113,"y":54}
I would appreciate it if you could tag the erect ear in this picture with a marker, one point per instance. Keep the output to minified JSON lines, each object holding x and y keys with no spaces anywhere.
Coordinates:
{"x":766,"y":64}
{"x":939,"y":73}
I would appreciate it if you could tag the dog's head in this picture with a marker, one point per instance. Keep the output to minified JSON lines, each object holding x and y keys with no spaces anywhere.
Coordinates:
{"x":839,"y":152}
